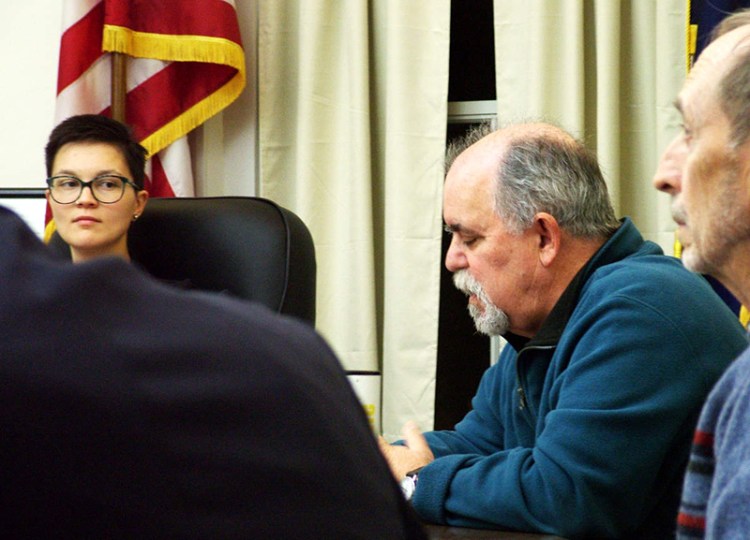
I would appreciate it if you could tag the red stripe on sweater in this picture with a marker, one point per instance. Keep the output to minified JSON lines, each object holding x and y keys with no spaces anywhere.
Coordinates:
{"x":703,"y":438}
{"x":692,"y":522}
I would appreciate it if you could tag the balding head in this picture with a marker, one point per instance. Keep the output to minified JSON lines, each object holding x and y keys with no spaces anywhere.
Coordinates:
{"x":706,"y":167}
{"x":734,"y":89}
{"x":536,"y":167}
{"x":723,"y":72}
{"x":527,"y":207}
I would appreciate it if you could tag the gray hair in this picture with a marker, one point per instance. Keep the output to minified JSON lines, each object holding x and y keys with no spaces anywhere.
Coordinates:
{"x":543,"y":173}
{"x":473,"y":135}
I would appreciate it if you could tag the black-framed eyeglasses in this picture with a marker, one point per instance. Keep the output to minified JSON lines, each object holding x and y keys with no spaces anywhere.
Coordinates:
{"x":106,"y":188}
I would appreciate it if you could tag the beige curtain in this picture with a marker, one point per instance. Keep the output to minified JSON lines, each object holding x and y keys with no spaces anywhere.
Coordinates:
{"x":352,"y":114}
{"x":352,"y":109}
{"x":608,"y":71}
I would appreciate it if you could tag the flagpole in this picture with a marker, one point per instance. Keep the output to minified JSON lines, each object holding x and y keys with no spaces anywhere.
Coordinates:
{"x":119,"y":88}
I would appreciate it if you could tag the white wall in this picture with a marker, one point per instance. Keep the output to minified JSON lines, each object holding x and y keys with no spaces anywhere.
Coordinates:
{"x":29,"y":45}
{"x":224,"y":148}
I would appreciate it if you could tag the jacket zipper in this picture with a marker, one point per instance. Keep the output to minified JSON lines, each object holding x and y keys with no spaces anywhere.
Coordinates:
{"x":521,"y":397}
{"x":522,"y":401}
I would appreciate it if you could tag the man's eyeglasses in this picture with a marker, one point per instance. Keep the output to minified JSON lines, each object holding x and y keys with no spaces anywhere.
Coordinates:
{"x":106,"y":188}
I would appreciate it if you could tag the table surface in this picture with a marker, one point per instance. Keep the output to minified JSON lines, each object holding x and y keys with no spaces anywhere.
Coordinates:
{"x":444,"y":532}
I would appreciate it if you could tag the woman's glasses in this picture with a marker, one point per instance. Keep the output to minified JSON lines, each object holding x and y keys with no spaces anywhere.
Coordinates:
{"x":106,"y":188}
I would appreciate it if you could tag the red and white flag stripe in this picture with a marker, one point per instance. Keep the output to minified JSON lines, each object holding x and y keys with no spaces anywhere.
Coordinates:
{"x":184,"y":64}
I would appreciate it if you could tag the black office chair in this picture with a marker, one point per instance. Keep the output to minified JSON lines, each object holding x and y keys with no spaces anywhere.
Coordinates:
{"x":247,"y":246}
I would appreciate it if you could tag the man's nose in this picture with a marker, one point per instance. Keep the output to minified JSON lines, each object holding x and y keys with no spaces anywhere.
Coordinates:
{"x":455,"y":258}
{"x":668,"y":176}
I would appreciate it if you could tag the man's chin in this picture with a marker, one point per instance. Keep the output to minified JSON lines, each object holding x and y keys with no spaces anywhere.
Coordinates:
{"x":490,"y":330}
{"x":691,"y":259}
{"x":683,"y":235}
{"x":475,"y":310}
{"x":489,"y":326}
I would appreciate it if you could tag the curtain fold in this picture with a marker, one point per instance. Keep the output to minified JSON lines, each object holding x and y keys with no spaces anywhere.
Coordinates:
{"x":606,"y":70}
{"x":352,"y":115}
{"x":353,"y":110}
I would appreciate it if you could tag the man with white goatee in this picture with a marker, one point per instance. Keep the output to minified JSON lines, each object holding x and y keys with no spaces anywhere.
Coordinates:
{"x":583,"y":426}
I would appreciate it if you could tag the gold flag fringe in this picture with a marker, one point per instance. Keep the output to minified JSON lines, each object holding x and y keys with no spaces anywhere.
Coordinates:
{"x":182,"y":48}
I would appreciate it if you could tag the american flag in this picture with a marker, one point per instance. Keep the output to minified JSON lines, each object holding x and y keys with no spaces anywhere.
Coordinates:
{"x":184,"y":62}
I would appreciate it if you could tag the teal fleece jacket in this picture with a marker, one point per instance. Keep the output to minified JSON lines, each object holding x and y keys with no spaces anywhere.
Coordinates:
{"x":585,"y":430}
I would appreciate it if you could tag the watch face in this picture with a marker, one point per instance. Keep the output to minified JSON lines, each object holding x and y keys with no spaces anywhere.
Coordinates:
{"x":408,"y":485}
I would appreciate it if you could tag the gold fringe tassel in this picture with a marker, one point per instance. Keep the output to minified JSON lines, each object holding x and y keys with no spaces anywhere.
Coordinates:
{"x":182,"y":48}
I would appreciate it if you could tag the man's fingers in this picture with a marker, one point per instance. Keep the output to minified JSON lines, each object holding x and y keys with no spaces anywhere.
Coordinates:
{"x":382,"y":443}
{"x":413,"y":435}
{"x":417,"y":442}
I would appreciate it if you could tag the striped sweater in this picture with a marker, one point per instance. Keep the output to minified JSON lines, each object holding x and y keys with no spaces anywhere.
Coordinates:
{"x":716,"y":493}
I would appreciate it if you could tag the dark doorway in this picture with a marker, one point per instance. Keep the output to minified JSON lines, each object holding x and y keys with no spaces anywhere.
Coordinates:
{"x":463,"y":354}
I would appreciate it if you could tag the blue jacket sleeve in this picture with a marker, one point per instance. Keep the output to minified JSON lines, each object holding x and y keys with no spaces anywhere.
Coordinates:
{"x":609,"y":436}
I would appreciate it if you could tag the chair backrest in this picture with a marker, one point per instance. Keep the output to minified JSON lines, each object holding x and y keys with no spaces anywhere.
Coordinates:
{"x":247,"y":246}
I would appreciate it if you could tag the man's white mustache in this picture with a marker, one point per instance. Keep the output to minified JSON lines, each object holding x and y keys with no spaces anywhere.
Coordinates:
{"x":466,"y":283}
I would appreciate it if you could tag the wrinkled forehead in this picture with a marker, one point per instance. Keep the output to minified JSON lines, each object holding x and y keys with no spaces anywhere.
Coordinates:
{"x":717,"y":58}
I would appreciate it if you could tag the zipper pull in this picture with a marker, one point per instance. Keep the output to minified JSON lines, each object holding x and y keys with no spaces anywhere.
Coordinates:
{"x":521,"y":398}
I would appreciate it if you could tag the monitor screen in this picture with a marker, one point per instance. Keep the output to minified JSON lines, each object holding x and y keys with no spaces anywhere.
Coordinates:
{"x":29,"y":204}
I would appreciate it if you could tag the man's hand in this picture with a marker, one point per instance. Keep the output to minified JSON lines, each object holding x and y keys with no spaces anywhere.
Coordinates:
{"x":415,"y":454}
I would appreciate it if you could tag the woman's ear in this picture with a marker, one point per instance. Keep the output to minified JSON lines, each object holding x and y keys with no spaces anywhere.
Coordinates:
{"x":141,"y":198}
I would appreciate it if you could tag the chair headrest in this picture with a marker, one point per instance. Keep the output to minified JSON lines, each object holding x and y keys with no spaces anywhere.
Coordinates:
{"x":247,"y":246}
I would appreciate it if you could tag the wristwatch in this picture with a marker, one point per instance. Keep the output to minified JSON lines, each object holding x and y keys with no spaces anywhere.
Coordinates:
{"x":409,"y":483}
